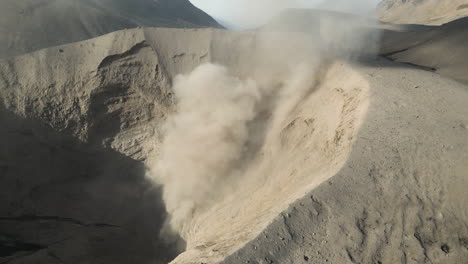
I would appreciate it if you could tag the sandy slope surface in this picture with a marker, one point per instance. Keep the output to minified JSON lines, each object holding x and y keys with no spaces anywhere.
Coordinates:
{"x":441,"y":49}
{"x":427,"y":12}
{"x":398,"y":197}
{"x":369,"y":166}
{"x":28,"y":25}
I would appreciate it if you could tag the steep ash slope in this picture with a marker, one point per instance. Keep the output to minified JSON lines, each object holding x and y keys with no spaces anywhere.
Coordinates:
{"x":70,"y":190}
{"x":28,"y":25}
{"x":368,"y":163}
{"x":427,"y":12}
{"x":79,"y":122}
{"x":437,"y":48}
{"x":399,"y":197}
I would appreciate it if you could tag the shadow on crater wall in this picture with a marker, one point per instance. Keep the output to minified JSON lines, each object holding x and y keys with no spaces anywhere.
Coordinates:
{"x":62,"y":201}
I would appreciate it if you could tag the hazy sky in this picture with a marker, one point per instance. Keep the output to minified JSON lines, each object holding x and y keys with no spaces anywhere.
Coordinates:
{"x":250,"y":13}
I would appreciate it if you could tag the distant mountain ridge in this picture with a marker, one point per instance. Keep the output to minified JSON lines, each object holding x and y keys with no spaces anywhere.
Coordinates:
{"x":28,"y":25}
{"x":428,"y":12}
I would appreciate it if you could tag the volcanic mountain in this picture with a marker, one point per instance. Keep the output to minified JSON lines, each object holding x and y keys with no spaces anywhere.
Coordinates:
{"x":189,"y":146}
{"x":28,"y":25}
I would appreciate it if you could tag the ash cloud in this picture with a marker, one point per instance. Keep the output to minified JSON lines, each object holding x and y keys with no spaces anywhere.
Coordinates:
{"x":223,"y":120}
{"x":203,"y":138}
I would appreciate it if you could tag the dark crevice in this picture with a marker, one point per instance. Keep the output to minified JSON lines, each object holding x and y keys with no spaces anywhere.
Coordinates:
{"x":423,"y":246}
{"x":12,"y":247}
{"x":422,"y":67}
{"x":31,"y":218}
{"x":132,"y":51}
{"x":361,"y":226}
{"x":350,"y":255}
{"x":387,"y":55}
{"x":52,"y":255}
{"x":445,"y":248}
